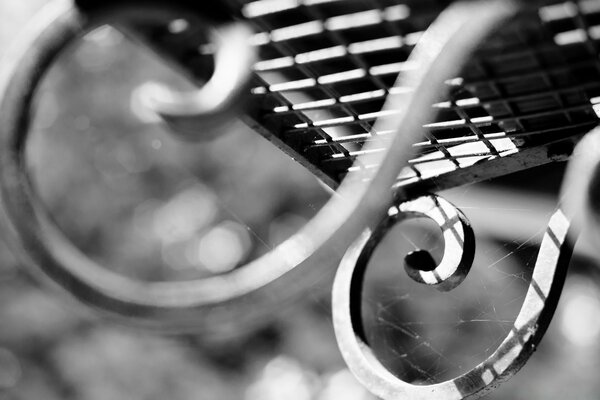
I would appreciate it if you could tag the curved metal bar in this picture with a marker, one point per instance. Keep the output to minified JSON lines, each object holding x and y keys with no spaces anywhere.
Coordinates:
{"x":459,"y":251}
{"x":220,"y":99}
{"x":529,"y":327}
{"x":580,"y":192}
{"x":459,"y":243}
{"x":254,"y":292}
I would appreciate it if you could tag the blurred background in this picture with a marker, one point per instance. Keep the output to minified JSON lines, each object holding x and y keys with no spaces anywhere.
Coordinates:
{"x":147,"y":206}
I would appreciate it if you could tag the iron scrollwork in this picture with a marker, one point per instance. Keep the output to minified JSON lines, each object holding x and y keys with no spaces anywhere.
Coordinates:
{"x":516,"y":348}
{"x":253,"y":292}
{"x":246,"y":294}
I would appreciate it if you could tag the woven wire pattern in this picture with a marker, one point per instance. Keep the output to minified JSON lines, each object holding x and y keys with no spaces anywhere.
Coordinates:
{"x":328,"y":65}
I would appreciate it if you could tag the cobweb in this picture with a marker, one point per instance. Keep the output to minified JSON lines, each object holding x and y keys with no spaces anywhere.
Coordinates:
{"x":424,"y":336}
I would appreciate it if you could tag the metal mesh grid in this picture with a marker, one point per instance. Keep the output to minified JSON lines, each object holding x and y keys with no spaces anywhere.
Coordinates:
{"x":327,"y":66}
{"x":329,"y":89}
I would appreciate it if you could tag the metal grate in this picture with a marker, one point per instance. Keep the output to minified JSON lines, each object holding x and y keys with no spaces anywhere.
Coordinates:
{"x":327,"y":67}
{"x":530,"y":84}
{"x":327,"y":76}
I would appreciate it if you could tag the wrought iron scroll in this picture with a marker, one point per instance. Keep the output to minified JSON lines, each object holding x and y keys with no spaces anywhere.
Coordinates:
{"x":459,"y":242}
{"x":251,"y":293}
{"x":514,"y":351}
{"x":255,"y":291}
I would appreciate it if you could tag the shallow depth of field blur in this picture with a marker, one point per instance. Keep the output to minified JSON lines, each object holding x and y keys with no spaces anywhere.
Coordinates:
{"x":147,"y":206}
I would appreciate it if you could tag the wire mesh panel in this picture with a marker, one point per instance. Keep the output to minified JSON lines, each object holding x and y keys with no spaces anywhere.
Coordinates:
{"x":327,"y":66}
{"x":328,"y":74}
{"x":534,"y":82}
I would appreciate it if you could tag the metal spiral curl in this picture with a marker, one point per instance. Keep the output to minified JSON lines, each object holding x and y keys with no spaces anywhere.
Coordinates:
{"x":459,"y":251}
{"x":459,"y":243}
{"x":514,"y":351}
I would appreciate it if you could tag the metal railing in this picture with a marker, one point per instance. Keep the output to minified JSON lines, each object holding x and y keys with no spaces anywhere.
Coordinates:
{"x":387,"y":102}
